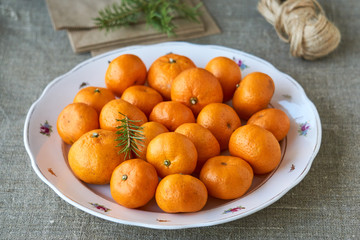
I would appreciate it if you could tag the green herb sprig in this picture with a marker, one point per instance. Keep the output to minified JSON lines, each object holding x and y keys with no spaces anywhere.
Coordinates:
{"x":158,"y":14}
{"x":130,"y":136}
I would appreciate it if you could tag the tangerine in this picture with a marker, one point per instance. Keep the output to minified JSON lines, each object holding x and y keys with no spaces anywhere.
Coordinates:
{"x":227,"y":72}
{"x":257,"y":146}
{"x":112,"y":112}
{"x":181,"y":193}
{"x":163,"y":71}
{"x":133,"y":183}
{"x":95,"y":97}
{"x":171,"y":114}
{"x":143,"y":97}
{"x":94,"y":156}
{"x":196,"y":88}
{"x":226,"y":177}
{"x":75,"y":120}
{"x":221,"y":120}
{"x":274,"y":120}
{"x":124,"y":71}
{"x":172,"y":153}
{"x":253,"y":94}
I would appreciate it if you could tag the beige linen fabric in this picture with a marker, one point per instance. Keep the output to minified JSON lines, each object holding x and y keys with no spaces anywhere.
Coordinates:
{"x":78,"y":14}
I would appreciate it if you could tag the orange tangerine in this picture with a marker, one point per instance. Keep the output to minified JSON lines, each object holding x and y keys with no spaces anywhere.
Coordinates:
{"x":226,"y":177}
{"x":171,"y":114}
{"x":172,"y":153}
{"x":196,"y":88}
{"x":253,"y":94}
{"x":143,"y":97}
{"x":181,"y":193}
{"x":257,"y":146}
{"x":75,"y":120}
{"x":95,"y":97}
{"x":94,"y":156}
{"x":133,"y":183}
{"x":124,"y":71}
{"x":111,"y":114}
{"x":227,"y":72}
{"x":274,"y":120}
{"x":163,"y":71}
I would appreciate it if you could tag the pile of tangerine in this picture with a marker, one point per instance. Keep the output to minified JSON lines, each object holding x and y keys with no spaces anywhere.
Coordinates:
{"x":186,"y":126}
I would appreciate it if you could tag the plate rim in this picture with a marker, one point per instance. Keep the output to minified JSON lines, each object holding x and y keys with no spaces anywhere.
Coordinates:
{"x":166,"y":226}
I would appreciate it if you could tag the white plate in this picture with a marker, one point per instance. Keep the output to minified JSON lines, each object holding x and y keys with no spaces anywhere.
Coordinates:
{"x":48,"y":153}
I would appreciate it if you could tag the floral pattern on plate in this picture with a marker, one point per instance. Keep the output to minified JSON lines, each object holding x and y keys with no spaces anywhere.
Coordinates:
{"x":303,"y":128}
{"x":240,"y":63}
{"x":232,"y":210}
{"x":45,"y":129}
{"x":100,"y":207}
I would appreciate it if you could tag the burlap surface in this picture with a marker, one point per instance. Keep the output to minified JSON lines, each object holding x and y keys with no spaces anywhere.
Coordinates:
{"x":325,"y":205}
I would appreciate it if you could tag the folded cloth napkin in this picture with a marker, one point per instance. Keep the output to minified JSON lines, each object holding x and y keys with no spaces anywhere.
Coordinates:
{"x":87,"y":40}
{"x":70,"y":14}
{"x":77,"y":18}
{"x":210,"y":28}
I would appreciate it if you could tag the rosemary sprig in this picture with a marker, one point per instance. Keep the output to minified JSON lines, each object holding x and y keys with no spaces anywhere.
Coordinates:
{"x":158,"y":14}
{"x":130,"y":136}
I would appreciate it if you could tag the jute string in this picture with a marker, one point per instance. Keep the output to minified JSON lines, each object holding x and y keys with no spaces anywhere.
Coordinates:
{"x":303,"y":24}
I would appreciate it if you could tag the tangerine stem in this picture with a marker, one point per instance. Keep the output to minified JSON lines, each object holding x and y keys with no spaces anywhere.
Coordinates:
{"x":193,"y":100}
{"x":171,"y":60}
{"x":94,"y":135}
{"x":167,"y":162}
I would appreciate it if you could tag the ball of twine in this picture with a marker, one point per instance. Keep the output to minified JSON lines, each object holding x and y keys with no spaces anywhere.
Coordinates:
{"x":303,"y":24}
